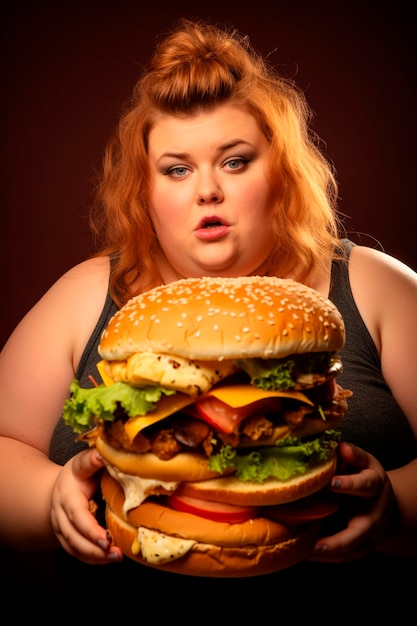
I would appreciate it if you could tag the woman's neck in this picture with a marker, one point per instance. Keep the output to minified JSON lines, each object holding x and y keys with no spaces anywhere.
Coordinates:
{"x":319,"y":279}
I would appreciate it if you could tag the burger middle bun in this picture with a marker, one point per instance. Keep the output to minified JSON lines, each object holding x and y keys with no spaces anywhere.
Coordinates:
{"x":231,"y":490}
{"x":184,"y":466}
{"x":198,"y":481}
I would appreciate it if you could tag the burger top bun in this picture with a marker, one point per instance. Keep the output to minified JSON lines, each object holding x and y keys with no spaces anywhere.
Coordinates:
{"x":225,"y":318}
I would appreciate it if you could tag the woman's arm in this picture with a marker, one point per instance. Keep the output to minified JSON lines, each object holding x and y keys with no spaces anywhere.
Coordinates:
{"x":385,"y":520}
{"x":41,"y":503}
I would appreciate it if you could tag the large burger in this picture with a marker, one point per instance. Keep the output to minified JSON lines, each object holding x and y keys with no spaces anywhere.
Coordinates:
{"x":217,"y":421}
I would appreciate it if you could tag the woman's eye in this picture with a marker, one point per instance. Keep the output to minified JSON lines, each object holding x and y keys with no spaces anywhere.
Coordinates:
{"x":236,"y":163}
{"x":178,"y":171}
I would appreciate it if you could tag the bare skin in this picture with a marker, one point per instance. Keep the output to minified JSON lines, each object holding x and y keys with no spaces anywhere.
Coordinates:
{"x":44,"y":505}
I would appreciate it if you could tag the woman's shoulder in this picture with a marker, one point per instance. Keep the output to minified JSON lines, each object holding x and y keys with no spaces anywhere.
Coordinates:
{"x":81,"y":293}
{"x":67,"y":313}
{"x":372,"y":264}
{"x":384,"y":289}
{"x":82,"y":283}
{"x":89,"y":269}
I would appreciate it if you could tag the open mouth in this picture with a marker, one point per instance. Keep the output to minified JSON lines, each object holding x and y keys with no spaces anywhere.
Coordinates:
{"x":211,"y":228}
{"x":212,"y":224}
{"x":211,"y":221}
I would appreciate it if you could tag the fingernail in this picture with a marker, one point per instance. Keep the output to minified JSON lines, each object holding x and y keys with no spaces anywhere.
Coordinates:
{"x":104,"y":545}
{"x":113,"y":556}
{"x":336,"y":483}
{"x":320,"y":548}
{"x":108,"y":536}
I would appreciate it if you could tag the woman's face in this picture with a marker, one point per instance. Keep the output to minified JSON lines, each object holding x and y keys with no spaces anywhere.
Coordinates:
{"x":210,"y":198}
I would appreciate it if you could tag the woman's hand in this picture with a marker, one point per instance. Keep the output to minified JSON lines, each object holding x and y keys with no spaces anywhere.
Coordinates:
{"x":367,"y":505}
{"x":72,"y":519}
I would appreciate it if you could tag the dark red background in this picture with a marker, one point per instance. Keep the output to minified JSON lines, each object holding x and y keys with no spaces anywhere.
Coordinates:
{"x":69,"y":66}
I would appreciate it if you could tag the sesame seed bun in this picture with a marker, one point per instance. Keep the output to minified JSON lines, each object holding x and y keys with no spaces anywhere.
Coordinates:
{"x":225,"y":318}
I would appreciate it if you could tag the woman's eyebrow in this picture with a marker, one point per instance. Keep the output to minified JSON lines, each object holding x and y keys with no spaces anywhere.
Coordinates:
{"x":222,"y":148}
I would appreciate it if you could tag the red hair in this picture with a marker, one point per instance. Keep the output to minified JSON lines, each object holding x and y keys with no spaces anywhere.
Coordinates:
{"x":197,"y":67}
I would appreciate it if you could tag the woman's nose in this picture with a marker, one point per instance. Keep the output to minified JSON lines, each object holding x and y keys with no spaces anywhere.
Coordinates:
{"x":209,"y":192}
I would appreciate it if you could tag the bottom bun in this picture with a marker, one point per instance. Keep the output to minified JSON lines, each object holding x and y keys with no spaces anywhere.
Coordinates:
{"x":219,"y":561}
{"x":252,"y":548}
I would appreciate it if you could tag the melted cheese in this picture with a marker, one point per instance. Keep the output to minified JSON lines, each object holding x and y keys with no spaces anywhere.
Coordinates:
{"x":166,"y":406}
{"x":157,"y":548}
{"x":233,"y":395}
{"x":241,"y":395}
{"x":137,"y":489}
{"x":107,"y":380}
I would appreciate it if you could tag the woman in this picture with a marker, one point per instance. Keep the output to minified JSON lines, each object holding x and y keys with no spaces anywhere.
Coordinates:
{"x":213,"y":171}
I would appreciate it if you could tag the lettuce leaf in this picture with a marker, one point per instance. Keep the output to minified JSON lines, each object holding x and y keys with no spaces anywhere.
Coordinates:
{"x":269,"y":374}
{"x":85,"y":405}
{"x":279,"y":374}
{"x":288,"y":458}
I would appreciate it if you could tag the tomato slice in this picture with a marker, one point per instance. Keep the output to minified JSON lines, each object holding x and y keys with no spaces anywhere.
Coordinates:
{"x":225,"y":417}
{"x":307,"y":509}
{"x":216,"y":511}
{"x":219,"y":414}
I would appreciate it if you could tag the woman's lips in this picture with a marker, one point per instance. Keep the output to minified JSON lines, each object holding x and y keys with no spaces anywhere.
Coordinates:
{"x":211,"y":228}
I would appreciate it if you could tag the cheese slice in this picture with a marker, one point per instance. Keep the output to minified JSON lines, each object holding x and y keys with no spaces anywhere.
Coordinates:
{"x":166,"y":406}
{"x":241,"y":395}
{"x":157,"y":548}
{"x":107,"y":380}
{"x":233,"y":395}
